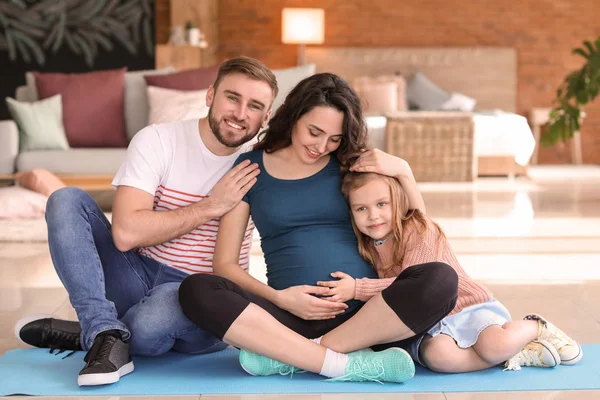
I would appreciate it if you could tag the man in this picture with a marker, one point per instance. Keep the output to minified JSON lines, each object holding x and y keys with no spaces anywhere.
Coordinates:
{"x":170,"y":192}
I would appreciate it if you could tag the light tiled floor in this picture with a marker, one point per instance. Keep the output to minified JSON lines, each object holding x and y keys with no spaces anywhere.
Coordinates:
{"x":534,"y":242}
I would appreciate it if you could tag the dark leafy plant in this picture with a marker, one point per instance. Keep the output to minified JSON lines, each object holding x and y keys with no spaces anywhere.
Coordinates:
{"x":31,"y":28}
{"x":578,"y":89}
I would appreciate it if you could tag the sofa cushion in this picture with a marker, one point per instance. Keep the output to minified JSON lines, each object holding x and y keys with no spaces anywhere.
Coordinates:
{"x":287,"y":79}
{"x":32,"y":93}
{"x":22,"y":94}
{"x":136,"y":99}
{"x":168,"y":105}
{"x":191,"y":79}
{"x":40,"y":124}
{"x":93,"y":106}
{"x":74,"y":161}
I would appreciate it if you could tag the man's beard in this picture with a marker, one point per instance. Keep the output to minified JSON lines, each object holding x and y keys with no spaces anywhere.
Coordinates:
{"x":214,"y":126}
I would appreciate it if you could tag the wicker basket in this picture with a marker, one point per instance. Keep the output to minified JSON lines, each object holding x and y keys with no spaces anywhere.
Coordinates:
{"x":439,"y":146}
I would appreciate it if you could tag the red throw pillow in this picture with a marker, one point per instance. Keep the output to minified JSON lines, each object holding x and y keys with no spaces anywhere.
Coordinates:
{"x":191,"y":79}
{"x":93,"y":106}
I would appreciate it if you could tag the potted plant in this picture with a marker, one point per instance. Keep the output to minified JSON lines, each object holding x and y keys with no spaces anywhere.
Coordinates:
{"x":578,"y":89}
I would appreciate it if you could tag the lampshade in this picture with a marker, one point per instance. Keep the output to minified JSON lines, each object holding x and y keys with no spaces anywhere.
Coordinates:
{"x":303,"y":25}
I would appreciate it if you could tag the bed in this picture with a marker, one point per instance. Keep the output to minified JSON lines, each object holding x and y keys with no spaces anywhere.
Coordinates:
{"x":503,"y":139}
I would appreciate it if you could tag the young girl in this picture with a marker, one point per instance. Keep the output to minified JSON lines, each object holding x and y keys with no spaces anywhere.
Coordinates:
{"x":478,"y":333}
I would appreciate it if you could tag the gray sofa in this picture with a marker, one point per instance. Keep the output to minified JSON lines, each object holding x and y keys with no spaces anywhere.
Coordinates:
{"x":76,"y":161}
{"x":102,"y":161}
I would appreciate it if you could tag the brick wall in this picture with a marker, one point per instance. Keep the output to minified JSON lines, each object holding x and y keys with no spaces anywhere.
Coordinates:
{"x":542,"y":31}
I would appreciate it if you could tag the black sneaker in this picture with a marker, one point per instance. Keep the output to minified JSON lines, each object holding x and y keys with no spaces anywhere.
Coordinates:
{"x":55,"y":334}
{"x":107,"y":361}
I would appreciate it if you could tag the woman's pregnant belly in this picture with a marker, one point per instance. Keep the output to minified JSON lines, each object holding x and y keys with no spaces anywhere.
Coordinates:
{"x":304,"y":256}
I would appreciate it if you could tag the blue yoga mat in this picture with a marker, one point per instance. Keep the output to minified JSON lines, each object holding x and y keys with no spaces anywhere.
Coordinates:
{"x":36,"y":372}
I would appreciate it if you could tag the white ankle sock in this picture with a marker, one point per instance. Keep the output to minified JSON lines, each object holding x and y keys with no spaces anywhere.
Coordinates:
{"x":317,"y":340}
{"x":334,"y":364}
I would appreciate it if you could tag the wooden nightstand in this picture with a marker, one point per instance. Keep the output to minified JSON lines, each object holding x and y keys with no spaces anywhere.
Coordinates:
{"x":539,"y":117}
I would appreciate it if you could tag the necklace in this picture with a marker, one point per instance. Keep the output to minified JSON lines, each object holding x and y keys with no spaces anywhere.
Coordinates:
{"x":382,"y":241}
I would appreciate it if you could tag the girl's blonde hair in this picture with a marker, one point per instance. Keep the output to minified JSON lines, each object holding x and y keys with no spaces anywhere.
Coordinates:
{"x":401,"y":215}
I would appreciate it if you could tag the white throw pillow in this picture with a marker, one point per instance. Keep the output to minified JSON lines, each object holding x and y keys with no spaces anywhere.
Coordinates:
{"x":459,"y":102}
{"x":288,"y":78}
{"x":167,"y":105}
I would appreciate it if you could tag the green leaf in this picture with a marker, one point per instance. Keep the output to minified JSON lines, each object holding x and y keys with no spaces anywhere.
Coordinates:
{"x":85,"y":50}
{"x":12,"y":50}
{"x":61,"y":30}
{"x":581,"y":53}
{"x":99,"y":5}
{"x":589,"y":46}
{"x":32,"y":45}
{"x":71,"y":43}
{"x":148,"y":37}
{"x":90,"y":42}
{"x":19,"y":3}
{"x":147,"y":5}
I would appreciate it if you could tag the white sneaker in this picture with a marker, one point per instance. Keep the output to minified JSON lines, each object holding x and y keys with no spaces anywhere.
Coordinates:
{"x":569,"y":350}
{"x":538,"y":353}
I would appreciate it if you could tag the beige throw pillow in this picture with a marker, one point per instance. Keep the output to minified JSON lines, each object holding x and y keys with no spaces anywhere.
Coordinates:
{"x":383,"y":93}
{"x":167,"y":105}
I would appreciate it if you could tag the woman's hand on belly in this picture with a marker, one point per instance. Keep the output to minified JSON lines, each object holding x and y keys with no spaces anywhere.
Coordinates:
{"x":299,"y":301}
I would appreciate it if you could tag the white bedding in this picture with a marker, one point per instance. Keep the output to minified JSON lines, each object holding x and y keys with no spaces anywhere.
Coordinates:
{"x":497,"y":133}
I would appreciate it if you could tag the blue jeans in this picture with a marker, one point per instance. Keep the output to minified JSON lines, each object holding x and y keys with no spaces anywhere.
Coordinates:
{"x":110,"y":289}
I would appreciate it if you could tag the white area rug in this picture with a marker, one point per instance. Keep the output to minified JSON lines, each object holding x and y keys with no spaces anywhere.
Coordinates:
{"x":26,"y":230}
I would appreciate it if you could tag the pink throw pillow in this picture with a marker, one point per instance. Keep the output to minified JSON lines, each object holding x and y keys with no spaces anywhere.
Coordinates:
{"x":191,"y":79}
{"x":20,"y":203}
{"x":93,"y":106}
{"x":368,"y":87}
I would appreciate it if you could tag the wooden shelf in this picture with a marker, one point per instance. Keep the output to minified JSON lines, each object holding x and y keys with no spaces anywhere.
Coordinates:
{"x":179,"y":57}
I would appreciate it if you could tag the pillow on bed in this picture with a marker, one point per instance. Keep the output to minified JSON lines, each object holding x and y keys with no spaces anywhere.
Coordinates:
{"x":382,"y":93}
{"x":424,"y":94}
{"x":379,"y":97}
{"x":287,"y":79}
{"x":459,"y":102}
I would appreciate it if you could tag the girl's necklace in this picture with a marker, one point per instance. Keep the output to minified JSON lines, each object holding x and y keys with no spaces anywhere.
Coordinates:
{"x":382,"y":241}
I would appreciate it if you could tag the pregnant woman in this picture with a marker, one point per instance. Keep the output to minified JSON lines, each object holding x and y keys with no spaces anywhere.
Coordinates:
{"x":306,"y":234}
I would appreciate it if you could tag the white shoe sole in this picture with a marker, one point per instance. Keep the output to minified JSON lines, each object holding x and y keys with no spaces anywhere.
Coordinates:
{"x":552,"y":351}
{"x":105,"y":379}
{"x":24,"y":321}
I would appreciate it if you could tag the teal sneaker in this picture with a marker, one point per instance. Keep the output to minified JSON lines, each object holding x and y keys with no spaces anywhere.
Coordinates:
{"x":390,"y":365}
{"x":258,"y":365}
